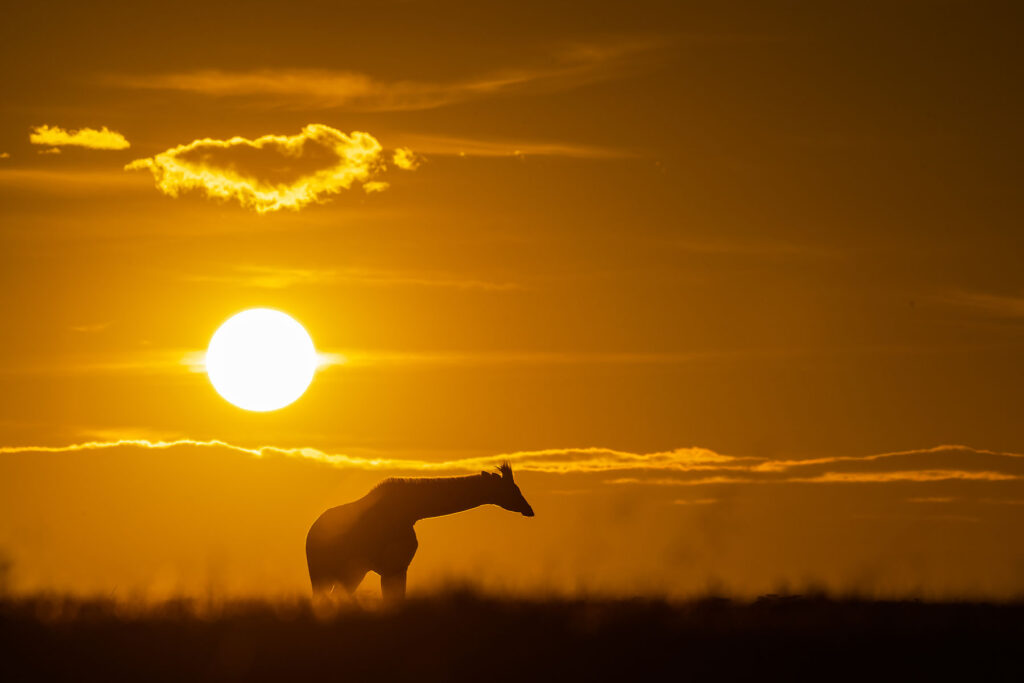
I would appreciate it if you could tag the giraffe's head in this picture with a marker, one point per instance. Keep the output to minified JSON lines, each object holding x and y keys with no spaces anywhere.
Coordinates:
{"x":506,"y":493}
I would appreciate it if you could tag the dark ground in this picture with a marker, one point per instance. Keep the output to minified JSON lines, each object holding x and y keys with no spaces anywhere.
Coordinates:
{"x":462,"y":637}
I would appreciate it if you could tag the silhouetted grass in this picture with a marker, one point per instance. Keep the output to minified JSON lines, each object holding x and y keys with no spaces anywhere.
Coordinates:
{"x":465,"y":637}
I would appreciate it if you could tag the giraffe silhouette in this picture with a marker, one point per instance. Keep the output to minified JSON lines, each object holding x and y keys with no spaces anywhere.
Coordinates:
{"x":375,"y":533}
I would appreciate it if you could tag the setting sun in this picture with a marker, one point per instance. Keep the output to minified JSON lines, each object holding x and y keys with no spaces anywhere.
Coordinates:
{"x":261,"y":360}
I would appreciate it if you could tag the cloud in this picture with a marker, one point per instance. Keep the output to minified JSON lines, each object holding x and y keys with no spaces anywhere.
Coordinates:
{"x":912,"y":475}
{"x":690,"y":466}
{"x":333,"y":89}
{"x":696,"y":481}
{"x":149,"y":361}
{"x":383,"y":358}
{"x":759,"y":248}
{"x":475,"y":147}
{"x":406,"y":159}
{"x":1002,"y":306}
{"x":281,"y":278}
{"x":272,"y":172}
{"x":927,"y":465}
{"x":70,"y":181}
{"x":175,"y":361}
{"x":550,"y":460}
{"x":5,"y":155}
{"x":90,"y":327}
{"x":51,"y":150}
{"x":55,"y":136}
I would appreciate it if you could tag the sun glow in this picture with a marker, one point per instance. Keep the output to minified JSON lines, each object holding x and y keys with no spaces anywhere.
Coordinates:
{"x":261,"y":360}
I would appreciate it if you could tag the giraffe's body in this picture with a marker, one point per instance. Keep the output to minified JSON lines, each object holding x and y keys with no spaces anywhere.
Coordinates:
{"x":375,"y":533}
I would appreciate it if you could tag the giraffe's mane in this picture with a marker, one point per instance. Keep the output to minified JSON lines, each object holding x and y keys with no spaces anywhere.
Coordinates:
{"x":419,"y":481}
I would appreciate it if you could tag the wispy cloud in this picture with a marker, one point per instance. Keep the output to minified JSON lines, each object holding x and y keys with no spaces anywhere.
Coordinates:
{"x":175,"y":361}
{"x":566,"y":68}
{"x":439,"y":145}
{"x":271,"y":172}
{"x":265,"y":277}
{"x":90,"y":327}
{"x":999,"y":305}
{"x":696,"y":481}
{"x":55,"y":137}
{"x":5,"y":155}
{"x":746,"y":247}
{"x":678,"y":467}
{"x":927,"y":465}
{"x":70,"y":181}
{"x":172,"y":361}
{"x":384,"y":358}
{"x":910,"y":475}
{"x":550,"y":460}
{"x":145,"y":362}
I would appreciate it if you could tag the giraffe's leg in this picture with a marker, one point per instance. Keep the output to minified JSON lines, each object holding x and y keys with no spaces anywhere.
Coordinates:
{"x":324,"y":600}
{"x":322,"y":589}
{"x":350,"y":583}
{"x":392,"y":587}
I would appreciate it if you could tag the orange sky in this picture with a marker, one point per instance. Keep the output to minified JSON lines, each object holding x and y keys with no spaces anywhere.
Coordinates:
{"x":762,"y":233}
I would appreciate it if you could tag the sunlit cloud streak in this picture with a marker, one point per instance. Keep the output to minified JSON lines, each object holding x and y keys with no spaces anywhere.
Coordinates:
{"x":549,"y":460}
{"x":918,"y":476}
{"x":940,"y":463}
{"x":55,"y":137}
{"x":565,"y":69}
{"x":271,"y":172}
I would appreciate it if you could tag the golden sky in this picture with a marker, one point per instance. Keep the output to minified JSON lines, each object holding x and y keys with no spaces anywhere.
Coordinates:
{"x":735,"y":286}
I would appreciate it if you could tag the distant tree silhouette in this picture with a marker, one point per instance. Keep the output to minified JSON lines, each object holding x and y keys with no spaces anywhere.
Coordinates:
{"x":375,"y":533}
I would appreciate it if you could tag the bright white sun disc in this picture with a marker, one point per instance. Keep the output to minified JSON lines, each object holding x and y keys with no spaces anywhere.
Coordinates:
{"x":261,"y":360}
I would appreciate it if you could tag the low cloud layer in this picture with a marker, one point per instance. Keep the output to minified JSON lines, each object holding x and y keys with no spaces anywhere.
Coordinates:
{"x":679,"y":467}
{"x":271,"y":172}
{"x":55,"y":137}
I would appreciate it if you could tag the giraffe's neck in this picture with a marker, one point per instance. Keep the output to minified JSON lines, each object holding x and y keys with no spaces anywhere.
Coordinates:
{"x":421,"y":498}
